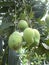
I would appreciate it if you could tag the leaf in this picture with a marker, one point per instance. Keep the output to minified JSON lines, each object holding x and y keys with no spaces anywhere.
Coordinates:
{"x":22,"y":16}
{"x":0,"y":46}
{"x":45,"y":46}
{"x":31,"y":15}
{"x":6,"y":25}
{"x":47,"y":22}
{"x":47,"y":41}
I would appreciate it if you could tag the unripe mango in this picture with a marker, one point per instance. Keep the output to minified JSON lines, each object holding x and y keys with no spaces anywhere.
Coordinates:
{"x":22,"y":24}
{"x":28,"y":35}
{"x":31,"y":36}
{"x":15,"y":40}
{"x":36,"y":36}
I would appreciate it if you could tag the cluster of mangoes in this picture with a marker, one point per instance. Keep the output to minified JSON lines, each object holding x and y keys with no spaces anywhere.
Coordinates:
{"x":30,"y":36}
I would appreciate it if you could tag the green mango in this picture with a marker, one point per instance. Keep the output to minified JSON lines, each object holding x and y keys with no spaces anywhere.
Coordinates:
{"x":15,"y":40}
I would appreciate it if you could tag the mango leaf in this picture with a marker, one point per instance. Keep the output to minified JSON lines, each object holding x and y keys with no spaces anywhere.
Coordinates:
{"x":47,"y":40}
{"x":45,"y":46}
{"x":0,"y":46}
{"x":22,"y":16}
{"x":6,"y":25}
{"x":8,"y":17}
{"x":31,"y":15}
{"x":47,"y":22}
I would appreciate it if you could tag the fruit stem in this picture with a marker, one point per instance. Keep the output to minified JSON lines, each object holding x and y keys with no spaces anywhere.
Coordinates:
{"x":15,"y":19}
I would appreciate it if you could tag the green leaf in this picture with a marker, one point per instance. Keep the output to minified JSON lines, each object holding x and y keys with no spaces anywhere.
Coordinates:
{"x":22,"y":16}
{"x":6,"y":25}
{"x":31,"y":15}
{"x":47,"y":41}
{"x":47,"y":22}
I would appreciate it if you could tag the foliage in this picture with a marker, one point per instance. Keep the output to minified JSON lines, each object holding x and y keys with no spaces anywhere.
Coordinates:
{"x":32,"y":11}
